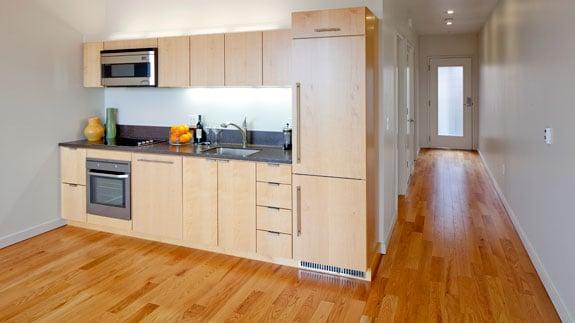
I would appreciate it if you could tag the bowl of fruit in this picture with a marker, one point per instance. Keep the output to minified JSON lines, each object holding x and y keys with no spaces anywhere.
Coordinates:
{"x":180,"y":135}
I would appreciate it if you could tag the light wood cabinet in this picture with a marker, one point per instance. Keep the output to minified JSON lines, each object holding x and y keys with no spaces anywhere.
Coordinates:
{"x":274,"y":244}
{"x":330,"y":221}
{"x":277,"y":57}
{"x":237,"y":205}
{"x":274,"y":219}
{"x":157,"y":195}
{"x":200,"y":193}
{"x":274,"y":195}
{"x":330,"y":23}
{"x":174,"y":61}
{"x":73,"y":202}
{"x":207,"y":60}
{"x":274,"y":173}
{"x":243,"y":59}
{"x":73,"y":165}
{"x":92,"y":66}
{"x":330,"y":107}
{"x":131,"y":43}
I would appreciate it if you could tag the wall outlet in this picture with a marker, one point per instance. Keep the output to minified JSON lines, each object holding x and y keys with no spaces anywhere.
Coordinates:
{"x":548,"y":136}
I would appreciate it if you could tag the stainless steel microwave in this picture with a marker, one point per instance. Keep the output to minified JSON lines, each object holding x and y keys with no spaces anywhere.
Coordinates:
{"x":129,"y":67}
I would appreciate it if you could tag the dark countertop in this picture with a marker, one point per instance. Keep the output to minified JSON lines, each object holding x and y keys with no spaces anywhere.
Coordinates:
{"x":267,"y":154}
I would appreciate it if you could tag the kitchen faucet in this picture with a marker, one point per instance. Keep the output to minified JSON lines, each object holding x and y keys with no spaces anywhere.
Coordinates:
{"x":243,"y":130}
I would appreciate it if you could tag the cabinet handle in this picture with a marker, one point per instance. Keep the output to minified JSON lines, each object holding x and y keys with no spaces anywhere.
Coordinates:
{"x":273,"y":165}
{"x":298,"y":199}
{"x":298,"y":121}
{"x":274,"y":184}
{"x":323,"y":30}
{"x":122,"y":176}
{"x":273,"y":208}
{"x":224,"y":160}
{"x":155,"y":161}
{"x":274,"y":232}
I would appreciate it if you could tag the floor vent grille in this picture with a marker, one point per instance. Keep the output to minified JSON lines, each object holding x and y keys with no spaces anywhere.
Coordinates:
{"x":332,"y":269}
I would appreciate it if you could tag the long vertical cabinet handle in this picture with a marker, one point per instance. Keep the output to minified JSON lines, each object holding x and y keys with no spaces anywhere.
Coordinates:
{"x":298,"y":198}
{"x":298,"y":120}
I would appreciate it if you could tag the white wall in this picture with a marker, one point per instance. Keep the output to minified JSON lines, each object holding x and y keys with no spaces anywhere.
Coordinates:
{"x":445,"y":46}
{"x":42,"y":103}
{"x":527,"y":65}
{"x":266,"y":109}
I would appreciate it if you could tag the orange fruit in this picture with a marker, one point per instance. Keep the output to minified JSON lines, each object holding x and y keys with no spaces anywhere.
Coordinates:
{"x":185,"y":138}
{"x":174,"y":138}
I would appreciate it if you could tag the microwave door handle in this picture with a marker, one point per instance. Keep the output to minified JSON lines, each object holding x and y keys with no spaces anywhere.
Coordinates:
{"x":109,"y":175}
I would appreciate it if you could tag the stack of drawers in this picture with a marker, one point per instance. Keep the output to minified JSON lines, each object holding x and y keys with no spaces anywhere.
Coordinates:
{"x":274,"y":210}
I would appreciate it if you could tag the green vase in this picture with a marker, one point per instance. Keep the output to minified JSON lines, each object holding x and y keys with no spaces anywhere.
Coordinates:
{"x":111,"y":120}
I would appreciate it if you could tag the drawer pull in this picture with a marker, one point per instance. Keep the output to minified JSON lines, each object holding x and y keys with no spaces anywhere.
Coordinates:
{"x":155,"y":161}
{"x":274,"y":183}
{"x":273,"y":165}
{"x":274,"y":232}
{"x":323,"y":30}
{"x":277,"y":209}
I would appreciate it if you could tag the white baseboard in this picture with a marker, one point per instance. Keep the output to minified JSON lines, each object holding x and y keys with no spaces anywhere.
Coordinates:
{"x":547,"y":282}
{"x":387,"y":236}
{"x":31,"y":232}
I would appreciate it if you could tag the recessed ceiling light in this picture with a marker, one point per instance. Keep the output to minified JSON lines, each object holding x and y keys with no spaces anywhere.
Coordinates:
{"x":449,"y":21}
{"x":450,"y":12}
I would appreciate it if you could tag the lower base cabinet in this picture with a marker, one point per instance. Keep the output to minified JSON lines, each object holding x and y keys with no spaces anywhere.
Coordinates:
{"x":274,"y":244}
{"x":237,"y":205}
{"x":329,"y":225}
{"x":73,"y":202}
{"x":157,"y":195}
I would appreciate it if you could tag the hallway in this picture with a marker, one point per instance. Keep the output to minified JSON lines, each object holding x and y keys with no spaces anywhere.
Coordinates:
{"x":454,"y":254}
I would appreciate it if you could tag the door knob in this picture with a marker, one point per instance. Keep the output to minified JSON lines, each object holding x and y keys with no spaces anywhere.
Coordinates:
{"x":411,"y":120}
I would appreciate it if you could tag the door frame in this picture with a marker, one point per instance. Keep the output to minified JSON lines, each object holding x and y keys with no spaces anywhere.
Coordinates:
{"x":472,"y":129}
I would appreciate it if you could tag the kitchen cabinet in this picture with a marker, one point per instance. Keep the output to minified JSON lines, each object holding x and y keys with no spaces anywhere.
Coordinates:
{"x":92,"y":69}
{"x":243,"y":59}
{"x":330,"y":221}
{"x":330,"y":107}
{"x":73,"y":165}
{"x":131,"y":43}
{"x":200,"y":194}
{"x":157,"y":195}
{"x":237,"y":205}
{"x":274,"y":244}
{"x":174,"y":61}
{"x":274,"y":173}
{"x":207,"y":60}
{"x":274,"y":195}
{"x":330,"y":23}
{"x":274,"y":219}
{"x":73,"y":202}
{"x":277,"y":57}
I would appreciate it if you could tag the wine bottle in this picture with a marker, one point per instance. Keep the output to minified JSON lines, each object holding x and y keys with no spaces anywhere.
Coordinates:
{"x":200,"y":135}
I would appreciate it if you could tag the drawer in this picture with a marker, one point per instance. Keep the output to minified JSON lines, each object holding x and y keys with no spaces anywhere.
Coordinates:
{"x":275,"y":173}
{"x":329,"y":23}
{"x":73,"y":165}
{"x":109,"y":154}
{"x":273,"y":244}
{"x":274,"y":195}
{"x":274,"y":219}
{"x":73,"y":202}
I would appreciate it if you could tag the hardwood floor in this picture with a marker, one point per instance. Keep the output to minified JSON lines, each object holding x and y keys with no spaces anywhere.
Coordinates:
{"x":453,"y":256}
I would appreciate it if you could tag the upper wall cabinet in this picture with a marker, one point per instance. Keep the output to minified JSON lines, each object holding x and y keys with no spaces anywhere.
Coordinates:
{"x":207,"y":60}
{"x":243,"y":59}
{"x":174,"y":62}
{"x":131,"y":43}
{"x":277,"y":57}
{"x":92,"y":71}
{"x":329,"y":23}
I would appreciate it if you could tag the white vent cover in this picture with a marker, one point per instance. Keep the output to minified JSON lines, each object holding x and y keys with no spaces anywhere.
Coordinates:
{"x":332,"y":269}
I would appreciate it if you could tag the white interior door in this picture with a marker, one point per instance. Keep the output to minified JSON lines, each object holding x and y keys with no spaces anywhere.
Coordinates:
{"x":451,"y":103}
{"x":410,"y":84}
{"x":403,"y":158}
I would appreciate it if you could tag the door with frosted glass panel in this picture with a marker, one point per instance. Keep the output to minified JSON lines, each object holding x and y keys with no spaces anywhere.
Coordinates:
{"x":451,"y":103}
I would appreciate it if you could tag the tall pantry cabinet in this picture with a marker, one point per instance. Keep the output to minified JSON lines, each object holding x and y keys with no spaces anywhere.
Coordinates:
{"x":335,"y":160}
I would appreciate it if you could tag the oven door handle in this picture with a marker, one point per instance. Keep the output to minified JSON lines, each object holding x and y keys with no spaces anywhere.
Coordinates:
{"x":109,"y":175}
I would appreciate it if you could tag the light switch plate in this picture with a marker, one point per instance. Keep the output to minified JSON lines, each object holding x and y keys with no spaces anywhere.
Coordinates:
{"x":548,"y":136}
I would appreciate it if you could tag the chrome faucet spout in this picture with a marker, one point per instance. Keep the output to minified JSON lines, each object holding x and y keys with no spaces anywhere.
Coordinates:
{"x":243,"y":131}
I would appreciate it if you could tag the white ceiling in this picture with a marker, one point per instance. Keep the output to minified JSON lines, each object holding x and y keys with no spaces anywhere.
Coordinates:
{"x":429,"y":15}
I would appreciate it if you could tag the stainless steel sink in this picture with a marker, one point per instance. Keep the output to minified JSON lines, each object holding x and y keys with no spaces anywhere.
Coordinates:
{"x":222,"y":151}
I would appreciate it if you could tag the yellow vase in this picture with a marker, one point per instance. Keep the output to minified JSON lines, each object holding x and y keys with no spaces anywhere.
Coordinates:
{"x":94,"y":131}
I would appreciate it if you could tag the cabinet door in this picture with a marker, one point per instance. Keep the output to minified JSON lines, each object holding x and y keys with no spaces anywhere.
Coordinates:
{"x":73,"y":165}
{"x":207,"y":60}
{"x":237,"y":205}
{"x":329,"y":23}
{"x":131,"y":43}
{"x":329,"y":221}
{"x":92,"y":66}
{"x":277,"y":57}
{"x":157,"y":195}
{"x":201,"y":201}
{"x":73,"y":202}
{"x":174,"y":61}
{"x":243,"y":57}
{"x":330,"y":107}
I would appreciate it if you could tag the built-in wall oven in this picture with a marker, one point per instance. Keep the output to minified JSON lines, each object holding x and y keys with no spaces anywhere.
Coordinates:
{"x":108,"y":192}
{"x":129,"y":67}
